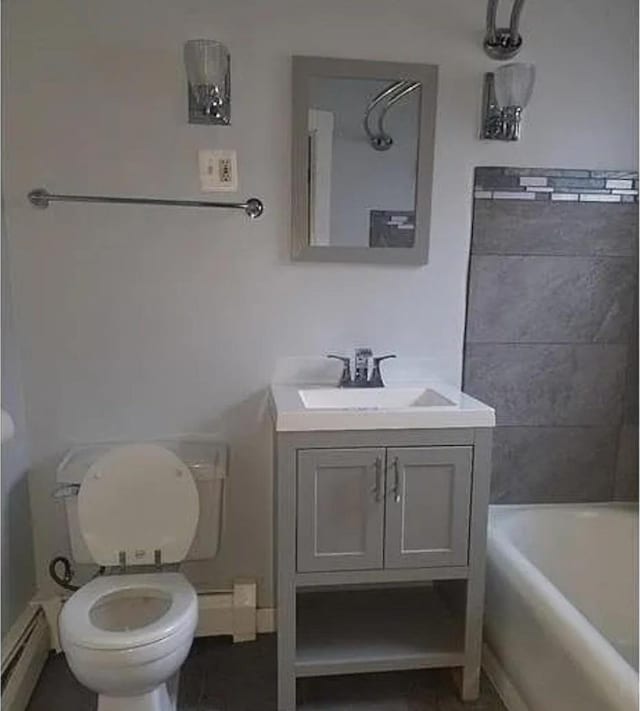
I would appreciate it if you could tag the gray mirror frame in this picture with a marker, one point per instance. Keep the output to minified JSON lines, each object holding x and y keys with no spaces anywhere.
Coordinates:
{"x":302,"y":69}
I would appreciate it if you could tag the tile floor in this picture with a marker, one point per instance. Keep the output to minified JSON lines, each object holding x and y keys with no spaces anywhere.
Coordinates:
{"x":221,"y":676}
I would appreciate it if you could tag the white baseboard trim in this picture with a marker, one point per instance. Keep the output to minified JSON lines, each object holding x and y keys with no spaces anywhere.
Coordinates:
{"x":24,"y":652}
{"x":233,"y":613}
{"x":502,"y":683}
{"x":266,"y":620}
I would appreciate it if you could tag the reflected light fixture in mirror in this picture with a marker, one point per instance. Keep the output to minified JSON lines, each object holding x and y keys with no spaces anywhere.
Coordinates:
{"x":506,"y":93}
{"x":208,"y":67}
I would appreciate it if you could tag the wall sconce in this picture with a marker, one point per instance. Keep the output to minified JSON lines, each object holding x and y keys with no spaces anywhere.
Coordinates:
{"x":209,"y":75}
{"x":506,"y":93}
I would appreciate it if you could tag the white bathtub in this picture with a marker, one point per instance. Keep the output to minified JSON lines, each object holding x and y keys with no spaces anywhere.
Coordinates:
{"x":561,"y":621}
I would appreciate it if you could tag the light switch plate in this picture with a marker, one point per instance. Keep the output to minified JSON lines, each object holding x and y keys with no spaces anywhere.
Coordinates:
{"x":218,"y":170}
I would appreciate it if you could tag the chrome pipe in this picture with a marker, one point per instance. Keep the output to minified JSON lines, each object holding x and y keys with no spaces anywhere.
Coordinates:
{"x":382,"y":140}
{"x":373,"y":138}
{"x":384,"y":93}
{"x":41,"y":197}
{"x":515,"y":20}
{"x":411,"y":86}
{"x":492,"y":11}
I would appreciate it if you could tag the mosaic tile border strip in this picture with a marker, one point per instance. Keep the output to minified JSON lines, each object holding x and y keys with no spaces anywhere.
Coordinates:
{"x":556,"y":185}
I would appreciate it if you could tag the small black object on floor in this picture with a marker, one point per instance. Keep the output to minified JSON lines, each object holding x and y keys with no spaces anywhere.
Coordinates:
{"x":222,"y":676}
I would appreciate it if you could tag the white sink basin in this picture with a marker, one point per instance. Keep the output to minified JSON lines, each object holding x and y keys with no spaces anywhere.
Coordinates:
{"x":302,"y":407}
{"x":371,"y":399}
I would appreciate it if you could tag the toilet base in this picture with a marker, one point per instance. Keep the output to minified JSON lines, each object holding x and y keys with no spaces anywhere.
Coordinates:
{"x":162,"y":698}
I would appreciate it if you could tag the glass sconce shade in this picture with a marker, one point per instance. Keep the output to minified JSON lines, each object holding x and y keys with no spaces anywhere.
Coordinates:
{"x":208,"y":71}
{"x":514,"y":84}
{"x":506,"y":93}
{"x":206,"y":62}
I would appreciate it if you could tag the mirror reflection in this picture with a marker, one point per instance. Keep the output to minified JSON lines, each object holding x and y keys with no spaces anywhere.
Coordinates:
{"x":363,"y":138}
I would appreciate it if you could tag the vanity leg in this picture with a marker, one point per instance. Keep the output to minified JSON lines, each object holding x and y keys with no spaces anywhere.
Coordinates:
{"x":469,"y":685}
{"x":286,"y":653}
{"x":285,"y":532}
{"x":469,"y":679}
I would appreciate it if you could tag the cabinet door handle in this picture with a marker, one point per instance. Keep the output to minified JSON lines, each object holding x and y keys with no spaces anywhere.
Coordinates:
{"x":377,"y":489}
{"x":396,"y":483}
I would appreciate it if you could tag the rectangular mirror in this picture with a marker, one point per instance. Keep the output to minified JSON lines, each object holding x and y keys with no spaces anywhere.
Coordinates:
{"x":363,"y":145}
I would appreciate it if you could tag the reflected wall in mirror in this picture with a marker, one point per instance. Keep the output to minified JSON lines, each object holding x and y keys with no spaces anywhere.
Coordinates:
{"x":363,"y":135}
{"x":363,"y":155}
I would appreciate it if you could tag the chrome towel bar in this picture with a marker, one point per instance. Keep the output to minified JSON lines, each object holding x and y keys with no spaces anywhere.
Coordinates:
{"x":40,"y":197}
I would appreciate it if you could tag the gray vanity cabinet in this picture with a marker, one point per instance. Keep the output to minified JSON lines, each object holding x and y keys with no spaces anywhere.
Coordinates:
{"x":427,"y":506}
{"x":380,"y":539}
{"x":340,"y":509}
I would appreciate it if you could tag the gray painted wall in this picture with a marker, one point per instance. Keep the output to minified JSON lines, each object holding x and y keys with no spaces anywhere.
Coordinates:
{"x":18,"y":572}
{"x":139,"y":321}
{"x":551,"y":318}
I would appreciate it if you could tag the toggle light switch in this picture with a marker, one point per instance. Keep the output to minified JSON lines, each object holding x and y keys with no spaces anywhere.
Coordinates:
{"x":218,"y":170}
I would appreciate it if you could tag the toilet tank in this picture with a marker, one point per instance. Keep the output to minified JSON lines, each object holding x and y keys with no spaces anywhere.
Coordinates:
{"x":206,"y":458}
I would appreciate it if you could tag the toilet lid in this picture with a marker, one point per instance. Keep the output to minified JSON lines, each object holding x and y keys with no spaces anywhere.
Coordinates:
{"x":138,"y":499}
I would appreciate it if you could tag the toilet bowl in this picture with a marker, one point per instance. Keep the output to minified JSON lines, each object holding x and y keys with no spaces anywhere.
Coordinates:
{"x":126,"y":635}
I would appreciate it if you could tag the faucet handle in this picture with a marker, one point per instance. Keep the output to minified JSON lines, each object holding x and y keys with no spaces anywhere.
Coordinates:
{"x":375,"y":381}
{"x":345,"y":378}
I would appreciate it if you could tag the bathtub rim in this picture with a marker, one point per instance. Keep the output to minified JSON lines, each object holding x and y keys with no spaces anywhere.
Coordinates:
{"x":501,"y":681}
{"x":622,"y":505}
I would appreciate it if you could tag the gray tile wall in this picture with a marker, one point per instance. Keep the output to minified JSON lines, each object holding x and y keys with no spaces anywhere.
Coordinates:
{"x":626,"y":481}
{"x":551,"y":337}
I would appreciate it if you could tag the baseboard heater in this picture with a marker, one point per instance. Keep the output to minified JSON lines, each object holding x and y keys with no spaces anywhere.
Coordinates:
{"x":24,"y":653}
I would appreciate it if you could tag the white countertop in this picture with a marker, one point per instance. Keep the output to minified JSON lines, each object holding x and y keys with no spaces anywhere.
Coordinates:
{"x":290,"y":414}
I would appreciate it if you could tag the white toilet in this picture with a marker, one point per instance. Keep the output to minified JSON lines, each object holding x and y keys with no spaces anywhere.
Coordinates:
{"x":136,"y":510}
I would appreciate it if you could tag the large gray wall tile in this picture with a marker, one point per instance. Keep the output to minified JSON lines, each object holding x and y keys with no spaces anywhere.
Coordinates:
{"x":548,"y":384}
{"x":550,"y":299}
{"x":626,"y":480}
{"x":552,"y":465}
{"x":554,"y":228}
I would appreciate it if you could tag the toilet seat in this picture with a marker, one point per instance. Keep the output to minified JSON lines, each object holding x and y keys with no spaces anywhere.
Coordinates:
{"x":81,"y":626}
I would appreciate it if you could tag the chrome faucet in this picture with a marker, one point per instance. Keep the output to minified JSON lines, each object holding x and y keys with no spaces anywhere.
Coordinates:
{"x":361,"y":377}
{"x":361,"y":367}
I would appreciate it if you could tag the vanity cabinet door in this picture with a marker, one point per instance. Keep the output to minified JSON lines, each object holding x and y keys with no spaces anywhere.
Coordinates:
{"x":427,"y":506}
{"x":340,"y":509}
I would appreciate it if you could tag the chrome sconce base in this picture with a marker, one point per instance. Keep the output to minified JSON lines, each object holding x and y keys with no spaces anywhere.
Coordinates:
{"x":498,"y":124}
{"x":214,"y":111}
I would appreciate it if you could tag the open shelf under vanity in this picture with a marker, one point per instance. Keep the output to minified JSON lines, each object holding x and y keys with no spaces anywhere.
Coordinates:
{"x":358,"y":631}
